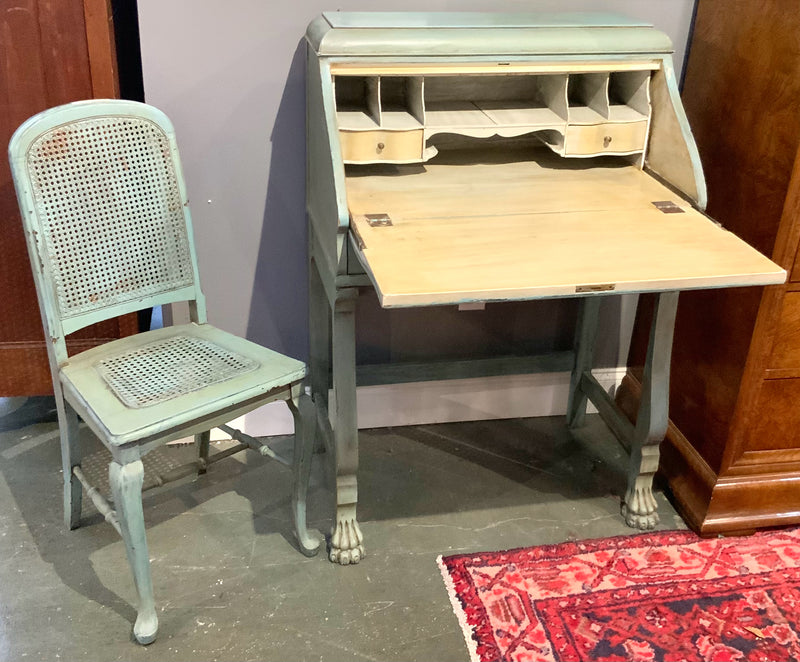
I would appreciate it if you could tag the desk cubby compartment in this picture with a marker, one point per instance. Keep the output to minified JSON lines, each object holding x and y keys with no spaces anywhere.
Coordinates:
{"x":487,"y":105}
{"x":628,"y":96}
{"x":618,"y":96}
{"x":401,"y":103}
{"x":357,"y":102}
{"x":588,"y":98}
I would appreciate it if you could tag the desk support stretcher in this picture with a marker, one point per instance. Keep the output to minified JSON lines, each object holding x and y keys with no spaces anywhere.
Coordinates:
{"x":642,"y":441}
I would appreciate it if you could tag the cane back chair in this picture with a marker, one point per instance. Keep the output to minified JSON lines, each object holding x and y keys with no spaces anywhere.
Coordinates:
{"x":108,"y":228}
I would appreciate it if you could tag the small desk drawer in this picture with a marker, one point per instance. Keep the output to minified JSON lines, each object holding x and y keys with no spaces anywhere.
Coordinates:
{"x":371,"y":146}
{"x":605,"y":138}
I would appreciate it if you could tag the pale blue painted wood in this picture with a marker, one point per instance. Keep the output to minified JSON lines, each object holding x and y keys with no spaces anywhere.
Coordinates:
{"x":203,"y":443}
{"x":612,"y":416}
{"x":479,"y":19}
{"x":302,"y":407}
{"x":70,"y":457}
{"x":101,"y":143}
{"x":639,"y":505}
{"x":585,"y":340}
{"x":700,"y":193}
{"x":319,"y":321}
{"x":347,"y":541}
{"x":396,"y":34}
{"x":126,"y":486}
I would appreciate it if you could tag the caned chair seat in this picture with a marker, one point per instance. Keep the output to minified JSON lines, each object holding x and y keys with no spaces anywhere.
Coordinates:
{"x":153,"y":384}
{"x":107,"y":222}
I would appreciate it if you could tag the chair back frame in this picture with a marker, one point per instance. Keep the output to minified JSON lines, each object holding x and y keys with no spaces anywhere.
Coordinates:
{"x":119,"y":157}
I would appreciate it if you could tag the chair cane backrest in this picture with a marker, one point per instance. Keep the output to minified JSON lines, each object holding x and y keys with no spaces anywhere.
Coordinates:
{"x":105,"y":212}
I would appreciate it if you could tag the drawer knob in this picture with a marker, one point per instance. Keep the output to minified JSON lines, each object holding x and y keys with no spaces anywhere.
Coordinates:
{"x":379,"y":147}
{"x":606,"y":141}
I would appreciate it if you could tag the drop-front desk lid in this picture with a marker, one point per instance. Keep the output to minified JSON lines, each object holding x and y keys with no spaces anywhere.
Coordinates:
{"x":521,"y":227}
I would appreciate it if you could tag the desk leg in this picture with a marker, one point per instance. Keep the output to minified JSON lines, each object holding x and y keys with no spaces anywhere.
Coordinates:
{"x":319,"y":331}
{"x":585,"y":335}
{"x":639,"y":505}
{"x":346,"y":539}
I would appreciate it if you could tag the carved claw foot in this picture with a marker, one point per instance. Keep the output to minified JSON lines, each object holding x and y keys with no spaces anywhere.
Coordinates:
{"x":347,"y":543}
{"x":639,"y":508}
{"x":146,"y":627}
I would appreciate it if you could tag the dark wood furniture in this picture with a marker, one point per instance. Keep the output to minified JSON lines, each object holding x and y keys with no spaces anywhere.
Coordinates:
{"x":51,"y":53}
{"x":732,"y":452}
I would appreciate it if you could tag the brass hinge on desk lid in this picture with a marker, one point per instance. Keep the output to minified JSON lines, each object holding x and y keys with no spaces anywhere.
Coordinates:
{"x":668,"y":207}
{"x":378,"y":220}
{"x":605,"y":287}
{"x":374,"y":221}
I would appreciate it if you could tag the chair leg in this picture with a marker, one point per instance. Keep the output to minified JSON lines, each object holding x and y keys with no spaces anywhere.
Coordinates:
{"x":302,"y":408}
{"x":203,"y":442}
{"x":70,"y":457}
{"x":126,"y":486}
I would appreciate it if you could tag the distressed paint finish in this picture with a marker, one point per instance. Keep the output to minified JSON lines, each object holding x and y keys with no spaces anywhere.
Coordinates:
{"x":455,"y":44}
{"x":585,"y":337}
{"x":128,"y":430}
{"x":639,"y":505}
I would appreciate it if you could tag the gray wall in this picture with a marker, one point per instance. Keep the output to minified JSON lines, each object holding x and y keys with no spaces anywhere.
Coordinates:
{"x":231,"y":77}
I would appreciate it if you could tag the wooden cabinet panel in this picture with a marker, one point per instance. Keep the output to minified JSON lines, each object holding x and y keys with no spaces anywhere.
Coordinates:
{"x":794,"y":275}
{"x":776,"y":427}
{"x":786,"y":347}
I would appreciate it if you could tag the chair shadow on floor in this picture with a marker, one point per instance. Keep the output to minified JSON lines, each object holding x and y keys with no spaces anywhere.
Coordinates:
{"x":30,"y":465}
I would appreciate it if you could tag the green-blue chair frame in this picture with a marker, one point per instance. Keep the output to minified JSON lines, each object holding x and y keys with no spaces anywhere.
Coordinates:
{"x":109,"y":232}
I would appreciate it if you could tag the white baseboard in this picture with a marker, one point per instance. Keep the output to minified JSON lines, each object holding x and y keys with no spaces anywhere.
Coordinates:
{"x":484,"y":398}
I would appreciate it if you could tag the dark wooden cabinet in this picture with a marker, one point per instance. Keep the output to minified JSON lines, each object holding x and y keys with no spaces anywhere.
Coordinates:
{"x":732,"y":453}
{"x":50,"y":53}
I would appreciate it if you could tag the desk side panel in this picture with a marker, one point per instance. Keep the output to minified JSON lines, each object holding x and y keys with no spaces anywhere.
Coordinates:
{"x":326,"y":201}
{"x":672,"y":153}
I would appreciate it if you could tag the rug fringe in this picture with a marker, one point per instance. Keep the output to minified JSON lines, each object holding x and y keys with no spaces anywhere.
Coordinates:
{"x":458,"y":609}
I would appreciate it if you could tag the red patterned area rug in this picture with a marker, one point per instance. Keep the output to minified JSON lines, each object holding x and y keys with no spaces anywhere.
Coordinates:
{"x":657,"y":596}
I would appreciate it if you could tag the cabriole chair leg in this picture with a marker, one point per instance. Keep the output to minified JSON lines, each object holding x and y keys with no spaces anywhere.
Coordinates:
{"x":126,"y":486}
{"x":304,"y":412}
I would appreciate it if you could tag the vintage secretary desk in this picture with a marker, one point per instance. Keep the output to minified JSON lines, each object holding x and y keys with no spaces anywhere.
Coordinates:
{"x":456,"y":158}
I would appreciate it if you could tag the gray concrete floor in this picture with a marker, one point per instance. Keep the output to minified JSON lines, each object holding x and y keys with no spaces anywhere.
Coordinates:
{"x":229,"y":582}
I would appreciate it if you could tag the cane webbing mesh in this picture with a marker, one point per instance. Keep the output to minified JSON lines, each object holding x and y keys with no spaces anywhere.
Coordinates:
{"x":107,"y":198}
{"x":165,"y":369}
